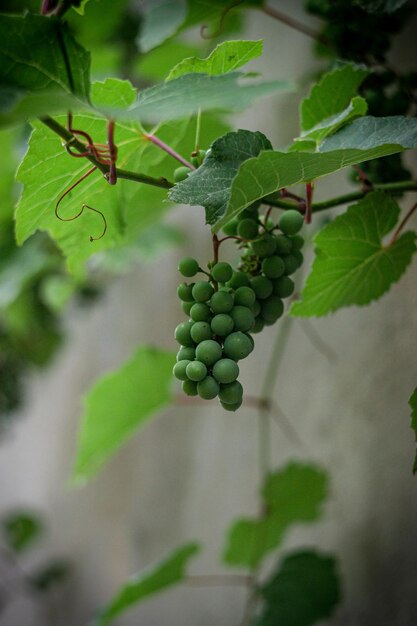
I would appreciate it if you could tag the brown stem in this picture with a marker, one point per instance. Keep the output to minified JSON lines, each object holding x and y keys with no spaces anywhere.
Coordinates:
{"x":112,"y":177}
{"x":293,"y":23}
{"x":216,"y":245}
{"x":402,"y":224}
{"x":309,"y":202}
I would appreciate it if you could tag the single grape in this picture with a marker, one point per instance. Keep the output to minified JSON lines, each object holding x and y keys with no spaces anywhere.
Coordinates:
{"x":284,"y":244}
{"x":179,"y":369}
{"x":208,"y":352}
{"x":238,"y":346}
{"x":222,"y":324}
{"x":256,"y":309}
{"x":197,"y":159}
{"x":202,"y":291}
{"x":239,"y":279}
{"x":183,"y":334}
{"x":273,"y":266}
{"x":258,"y":326}
{"x":283,"y":287}
{"x":242,"y":317}
{"x":221,"y":302}
{"x":292,"y":262}
{"x":246,"y":214}
{"x":184,"y":292}
{"x":232,"y":407}
{"x":188,"y":267}
{"x":196,"y":370}
{"x":264,"y":246}
{"x":200,"y":312}
{"x":291,"y":222}
{"x":186,"y":353}
{"x":253,"y":208}
{"x":230,"y":229}
{"x":231,"y":393}
{"x":181,"y":173}
{"x":189,"y":387}
{"x":222,"y":272}
{"x":248,"y":228}
{"x":208,"y":388}
{"x":297,"y":242}
{"x":200,"y":331}
{"x":262,"y":286}
{"x":272,"y":308}
{"x":245,"y":296}
{"x":225,"y":371}
{"x":186,"y":307}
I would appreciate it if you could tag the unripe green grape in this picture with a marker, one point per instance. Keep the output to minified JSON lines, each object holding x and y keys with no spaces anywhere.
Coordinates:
{"x":284,"y":244}
{"x":208,"y":352}
{"x":200,"y":312}
{"x":196,"y":371}
{"x":186,"y":307}
{"x":297,"y":242}
{"x":183,"y":334}
{"x":231,"y":393}
{"x":208,"y":388}
{"x":273,"y":266}
{"x":197,"y":159}
{"x":258,"y":326}
{"x":248,"y":228}
{"x":238,"y":346}
{"x":181,"y":173}
{"x":283,"y":287}
{"x":262,"y":286}
{"x":299,"y":256}
{"x":239,"y":279}
{"x":230,"y":229}
{"x":232,"y":407}
{"x":201,"y":331}
{"x":186,"y":353}
{"x":222,"y":272}
{"x":292,"y":262}
{"x":189,"y":387}
{"x":222,"y":324}
{"x":188,"y":267}
{"x":225,"y":371}
{"x":245,"y":214}
{"x":264,"y":246}
{"x":221,"y":302}
{"x":243,"y":318}
{"x":272,"y":308}
{"x":185,"y":292}
{"x":291,"y":222}
{"x":202,"y":291}
{"x":179,"y":369}
{"x":256,"y":309}
{"x":245,"y":296}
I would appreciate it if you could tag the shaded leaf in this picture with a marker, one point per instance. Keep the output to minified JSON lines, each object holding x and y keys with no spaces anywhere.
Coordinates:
{"x":368,"y":133}
{"x":380,"y":6}
{"x":304,"y":590}
{"x":413,"y":404}
{"x":352,"y":264}
{"x":226,"y":57}
{"x":169,"y":572}
{"x":21,"y":529}
{"x":292,"y":495}
{"x":118,"y":404}
{"x":209,"y":185}
{"x":161,"y":20}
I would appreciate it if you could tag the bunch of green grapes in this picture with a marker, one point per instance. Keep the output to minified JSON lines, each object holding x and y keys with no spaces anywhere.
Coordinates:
{"x":228,"y":306}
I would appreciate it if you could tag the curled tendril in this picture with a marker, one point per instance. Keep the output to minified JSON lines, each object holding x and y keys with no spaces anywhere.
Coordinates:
{"x":204,"y":28}
{"x":84,"y":206}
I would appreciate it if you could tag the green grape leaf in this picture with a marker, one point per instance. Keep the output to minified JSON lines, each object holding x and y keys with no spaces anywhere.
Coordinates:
{"x":40,"y":53}
{"x":209,"y":185}
{"x":226,"y":57}
{"x":380,"y":6}
{"x":187,"y":94}
{"x":113,"y":92}
{"x":271,"y":170}
{"x":413,"y":404}
{"x":21,"y":529}
{"x":331,"y":95}
{"x":118,"y":404}
{"x":169,"y":572}
{"x":292,"y":495}
{"x":57,"y":290}
{"x":352,"y":264}
{"x":161,"y":20}
{"x":305,"y":589}
{"x":157,"y":63}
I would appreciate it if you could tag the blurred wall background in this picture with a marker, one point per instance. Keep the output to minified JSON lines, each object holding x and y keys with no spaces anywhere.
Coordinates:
{"x":190,"y":472}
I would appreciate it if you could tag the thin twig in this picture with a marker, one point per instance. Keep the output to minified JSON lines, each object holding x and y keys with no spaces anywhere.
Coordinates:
{"x":293,"y":23}
{"x":161,"y":144}
{"x":402,"y":224}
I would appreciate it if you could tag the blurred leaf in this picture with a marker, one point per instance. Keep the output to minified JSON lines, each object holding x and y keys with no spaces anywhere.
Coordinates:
{"x":57,"y":290}
{"x":52,"y":574}
{"x":305,"y":589}
{"x":21,"y":529}
{"x":352,"y":264}
{"x":380,"y":6}
{"x":118,"y":404}
{"x":161,"y":20}
{"x":413,"y":404}
{"x":226,"y":57}
{"x":169,"y":572}
{"x":157,"y":63}
{"x":292,"y":495}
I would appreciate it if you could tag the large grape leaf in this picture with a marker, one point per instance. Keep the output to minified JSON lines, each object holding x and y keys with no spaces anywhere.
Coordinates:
{"x":292,"y":495}
{"x":118,"y":404}
{"x":353,"y":265}
{"x":161,"y":20}
{"x":304,"y":589}
{"x":210,"y":184}
{"x":167,"y":573}
{"x":226,"y":57}
{"x":413,"y":405}
{"x":368,"y":133}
